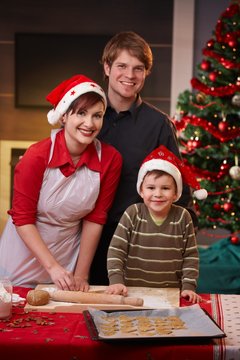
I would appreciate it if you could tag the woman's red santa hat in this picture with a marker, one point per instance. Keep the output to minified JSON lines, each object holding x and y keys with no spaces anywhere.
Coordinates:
{"x":163,"y":159}
{"x":65,"y":93}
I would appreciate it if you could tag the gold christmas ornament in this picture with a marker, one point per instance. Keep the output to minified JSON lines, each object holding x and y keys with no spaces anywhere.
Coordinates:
{"x":236,"y":100}
{"x":234,"y":172}
{"x":200,"y":97}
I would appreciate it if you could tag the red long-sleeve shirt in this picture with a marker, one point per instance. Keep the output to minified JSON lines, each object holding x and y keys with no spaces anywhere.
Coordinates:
{"x":29,"y":173}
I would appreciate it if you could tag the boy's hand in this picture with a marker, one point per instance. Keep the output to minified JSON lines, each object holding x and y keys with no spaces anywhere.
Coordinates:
{"x":191,"y":295}
{"x":117,"y":289}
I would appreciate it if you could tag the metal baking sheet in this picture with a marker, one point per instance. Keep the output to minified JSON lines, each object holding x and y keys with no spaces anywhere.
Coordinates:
{"x":197,"y":323}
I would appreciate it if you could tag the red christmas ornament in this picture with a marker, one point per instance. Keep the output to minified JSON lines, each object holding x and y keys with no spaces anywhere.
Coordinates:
{"x":210,"y":43}
{"x":223,"y":126}
{"x":225,"y":167}
{"x":212,"y":76}
{"x":234,"y":240}
{"x":227,"y":206}
{"x":217,"y":206}
{"x":205,"y":65}
{"x":232,"y":43}
{"x":189,"y":145}
{"x":197,"y":207}
{"x":231,"y":40}
{"x":196,"y":144}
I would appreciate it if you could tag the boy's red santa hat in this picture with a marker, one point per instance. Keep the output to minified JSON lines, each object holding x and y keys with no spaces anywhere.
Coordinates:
{"x":65,"y":93}
{"x":163,"y":159}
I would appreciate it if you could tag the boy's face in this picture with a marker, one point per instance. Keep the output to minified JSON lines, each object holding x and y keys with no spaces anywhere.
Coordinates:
{"x":126,"y":76}
{"x":158,"y":194}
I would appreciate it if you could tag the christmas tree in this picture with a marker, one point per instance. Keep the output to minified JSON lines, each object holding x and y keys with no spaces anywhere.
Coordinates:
{"x":208,"y":124}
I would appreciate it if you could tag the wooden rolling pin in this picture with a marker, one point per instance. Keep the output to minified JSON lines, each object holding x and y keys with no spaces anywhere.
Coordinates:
{"x":94,"y":298}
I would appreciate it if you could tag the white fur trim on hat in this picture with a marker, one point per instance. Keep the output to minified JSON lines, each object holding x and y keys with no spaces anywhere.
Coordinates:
{"x":164,"y":165}
{"x":55,"y":115}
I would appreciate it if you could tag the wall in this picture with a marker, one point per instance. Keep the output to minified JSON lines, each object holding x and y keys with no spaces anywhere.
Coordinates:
{"x":206,"y":16}
{"x":151,"y":19}
{"x":21,"y":126}
{"x":194,"y":21}
{"x":71,"y":16}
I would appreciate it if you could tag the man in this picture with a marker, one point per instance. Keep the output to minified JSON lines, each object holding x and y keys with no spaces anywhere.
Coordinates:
{"x":133,"y":127}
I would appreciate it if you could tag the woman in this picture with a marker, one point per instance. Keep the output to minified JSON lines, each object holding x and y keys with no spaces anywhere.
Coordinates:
{"x":63,"y":188}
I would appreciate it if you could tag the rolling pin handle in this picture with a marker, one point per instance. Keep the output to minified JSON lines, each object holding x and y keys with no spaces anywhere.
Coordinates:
{"x":133,"y":301}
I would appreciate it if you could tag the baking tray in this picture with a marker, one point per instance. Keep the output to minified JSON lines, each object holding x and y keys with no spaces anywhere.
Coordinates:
{"x":197,"y":323}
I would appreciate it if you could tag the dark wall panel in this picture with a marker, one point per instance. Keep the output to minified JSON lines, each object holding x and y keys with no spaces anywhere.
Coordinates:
{"x":151,"y":19}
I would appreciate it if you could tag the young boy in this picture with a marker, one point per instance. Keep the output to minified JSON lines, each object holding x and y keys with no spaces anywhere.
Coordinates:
{"x":154,"y":244}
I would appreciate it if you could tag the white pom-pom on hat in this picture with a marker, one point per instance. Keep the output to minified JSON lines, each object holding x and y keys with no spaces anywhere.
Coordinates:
{"x":53,"y":116}
{"x":163,"y":159}
{"x":200,"y":194}
{"x":66,"y":92}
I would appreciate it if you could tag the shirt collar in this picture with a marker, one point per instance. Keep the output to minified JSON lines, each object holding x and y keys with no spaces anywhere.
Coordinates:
{"x":61,"y":156}
{"x":133,"y":108}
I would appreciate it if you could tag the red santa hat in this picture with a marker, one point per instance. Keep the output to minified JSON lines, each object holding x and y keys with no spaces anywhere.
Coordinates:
{"x":163,"y":159}
{"x":65,"y":93}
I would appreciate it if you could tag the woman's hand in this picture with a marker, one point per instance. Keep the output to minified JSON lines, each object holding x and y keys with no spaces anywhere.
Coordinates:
{"x":63,"y":279}
{"x":117,"y":289}
{"x":66,"y":281}
{"x":81,"y":283}
{"x":191,"y":295}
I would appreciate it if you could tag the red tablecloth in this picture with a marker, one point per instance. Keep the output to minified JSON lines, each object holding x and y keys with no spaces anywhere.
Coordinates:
{"x":64,"y":336}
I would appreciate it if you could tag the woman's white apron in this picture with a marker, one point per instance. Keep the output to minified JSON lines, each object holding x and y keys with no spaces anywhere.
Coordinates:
{"x":63,"y":202}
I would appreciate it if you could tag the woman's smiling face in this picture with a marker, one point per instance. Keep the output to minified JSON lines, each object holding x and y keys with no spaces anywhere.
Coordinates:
{"x":82,"y":126}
